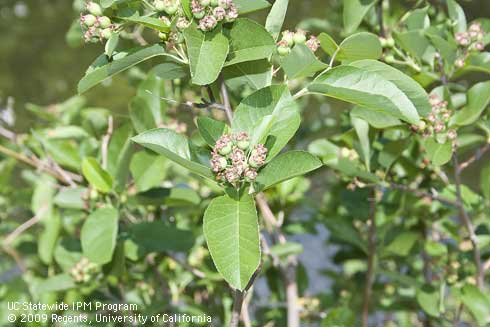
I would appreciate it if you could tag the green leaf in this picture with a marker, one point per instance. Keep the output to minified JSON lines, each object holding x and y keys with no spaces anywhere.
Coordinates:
{"x":417,"y":19}
{"x":354,"y":12}
{"x":169,"y":70}
{"x":71,"y":198}
{"x":479,"y":62}
{"x":478,"y":100}
{"x":286,"y":249}
{"x":414,"y":42}
{"x":391,"y":152}
{"x":150,"y":22}
{"x":275,"y":101}
{"x":55,"y":283}
{"x":111,"y":44}
{"x":286,"y":166}
{"x":328,"y":44}
{"x":276,"y":17}
{"x":207,"y":53}
{"x":157,"y":236}
{"x":376,"y":119}
{"x":98,"y":235}
{"x":405,"y":83}
{"x":96,"y":176}
{"x":343,"y":230}
{"x":175,"y":147}
{"x":456,"y":13}
{"x":210,"y":129}
{"x":248,"y":6}
{"x":123,"y":60}
{"x":435,"y":249}
{"x":148,"y":170}
{"x":339,"y":317}
{"x":119,"y":154}
{"x":428,"y":299}
{"x":141,"y":115}
{"x":367,"y":89}
{"x":151,"y":90}
{"x":438,"y":153}
{"x":485,"y":181}
{"x":249,"y":41}
{"x":359,"y":46}
{"x":48,"y":237}
{"x":402,"y":244}
{"x":231,"y":230}
{"x":362,"y":131}
{"x":186,"y":6}
{"x":253,"y":74}
{"x":65,"y":132}
{"x":477,"y":303}
{"x":174,"y":197}
{"x":301,"y":62}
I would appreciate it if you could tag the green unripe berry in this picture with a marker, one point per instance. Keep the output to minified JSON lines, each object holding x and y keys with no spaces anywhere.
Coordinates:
{"x":253,"y":164}
{"x":226,"y":150}
{"x":243,"y":144}
{"x":163,"y":36}
{"x":177,"y":82}
{"x":390,"y":42}
{"x":199,"y":14}
{"x":88,"y":20}
{"x":223,"y":163}
{"x":390,"y":59}
{"x":205,"y":3}
{"x":104,"y":21}
{"x":94,"y":194}
{"x":159,"y":5}
{"x":94,"y":9}
{"x":171,"y":10}
{"x":299,"y":37}
{"x":106,"y":33}
{"x":422,"y":125}
{"x":288,"y":37}
{"x":283,"y":51}
{"x":214,"y":3}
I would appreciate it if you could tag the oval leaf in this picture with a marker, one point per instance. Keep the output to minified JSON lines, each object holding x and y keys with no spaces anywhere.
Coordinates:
{"x":99,"y":234}
{"x":96,"y":176}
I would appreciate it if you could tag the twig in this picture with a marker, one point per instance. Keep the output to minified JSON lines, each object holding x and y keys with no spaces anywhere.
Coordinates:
{"x":475,"y":157}
{"x":7,"y":134}
{"x":245,"y":313}
{"x":105,"y":141}
{"x":25,"y":226}
{"x":423,"y":194}
{"x":379,"y":11}
{"x":465,"y":219}
{"x":292,"y":291}
{"x":368,"y":287}
{"x":226,"y":100}
{"x":238,"y":298}
{"x":196,"y":272}
{"x":192,"y":105}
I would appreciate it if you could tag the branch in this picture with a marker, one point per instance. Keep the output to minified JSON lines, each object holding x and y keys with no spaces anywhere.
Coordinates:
{"x":238,"y":298}
{"x":105,"y":141}
{"x":25,"y":226}
{"x":423,"y":194}
{"x":226,"y":100}
{"x":475,"y":157}
{"x":368,"y":287}
{"x":465,"y":219}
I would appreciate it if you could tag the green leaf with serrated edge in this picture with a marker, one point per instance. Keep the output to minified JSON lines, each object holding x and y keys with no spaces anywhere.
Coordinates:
{"x":96,"y":176}
{"x":328,"y":44}
{"x":367,"y":89}
{"x":150,"y":22}
{"x":254,"y":74}
{"x":354,"y":12}
{"x":456,"y":13}
{"x":175,"y":147}
{"x":210,"y":129}
{"x":362,"y":130}
{"x":301,"y":62}
{"x":98,"y":235}
{"x":249,"y":41}
{"x":248,"y":6}
{"x":231,"y":230}
{"x":416,"y":93}
{"x":276,"y":17}
{"x":102,"y":70}
{"x":149,"y":235}
{"x":148,"y":170}
{"x":477,"y":303}
{"x":286,"y":166}
{"x":438,"y":153}
{"x":478,"y":100}
{"x":360,"y":46}
{"x":207,"y":53}
{"x":276,"y":101}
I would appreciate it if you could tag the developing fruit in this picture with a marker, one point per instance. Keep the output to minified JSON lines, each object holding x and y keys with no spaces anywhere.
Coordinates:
{"x":299,"y":37}
{"x":163,"y":36}
{"x":282,"y":48}
{"x":159,"y":5}
{"x":288,"y":37}
{"x":103,"y":21}
{"x":106,"y":33}
{"x":88,"y":20}
{"x":94,"y":8}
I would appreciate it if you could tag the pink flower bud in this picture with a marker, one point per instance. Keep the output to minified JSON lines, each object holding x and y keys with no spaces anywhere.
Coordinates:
{"x":219,"y":13}
{"x":313,"y":43}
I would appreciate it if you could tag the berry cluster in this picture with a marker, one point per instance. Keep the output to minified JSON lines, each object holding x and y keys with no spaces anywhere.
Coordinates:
{"x":95,"y":25}
{"x":437,"y":120}
{"x":289,"y":39}
{"x":84,"y":271}
{"x":210,"y":12}
{"x":471,"y":40}
{"x":234,"y":160}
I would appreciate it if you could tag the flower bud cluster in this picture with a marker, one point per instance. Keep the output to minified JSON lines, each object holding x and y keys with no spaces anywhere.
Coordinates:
{"x":470,"y":41}
{"x":95,"y":25}
{"x":209,"y":13}
{"x":234,"y":160}
{"x":437,"y":121}
{"x":84,"y":271}
{"x":289,"y":39}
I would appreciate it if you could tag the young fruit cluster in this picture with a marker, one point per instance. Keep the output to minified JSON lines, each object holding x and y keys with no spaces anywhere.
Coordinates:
{"x":469,"y":41}
{"x":289,"y":39}
{"x":95,"y":25}
{"x":235,"y":161}
{"x":209,"y":13}
{"x":437,"y":121}
{"x":170,"y":11}
{"x":84,"y":271}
